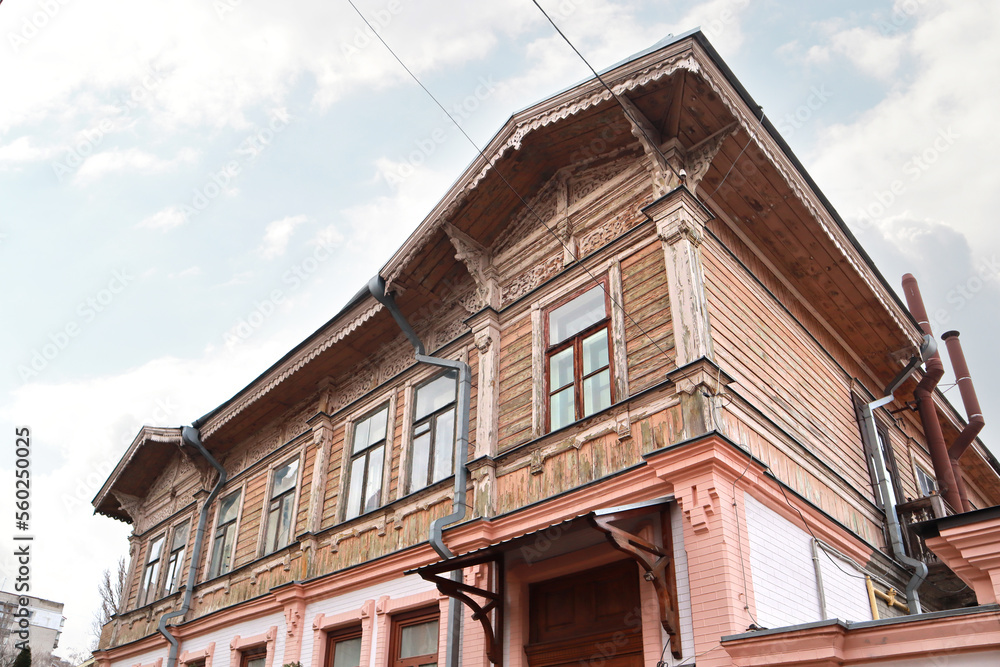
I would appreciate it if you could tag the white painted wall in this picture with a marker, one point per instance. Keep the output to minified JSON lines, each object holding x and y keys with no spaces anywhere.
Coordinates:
{"x":784,"y":577}
{"x":683,"y":587}
{"x":224,"y":636}
{"x":354,"y":600}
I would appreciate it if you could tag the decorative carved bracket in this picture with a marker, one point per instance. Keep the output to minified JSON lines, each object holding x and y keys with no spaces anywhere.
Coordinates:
{"x":461,"y":591}
{"x":659,"y":567}
{"x":664,"y":177}
{"x":478,"y":261}
{"x":132,"y":505}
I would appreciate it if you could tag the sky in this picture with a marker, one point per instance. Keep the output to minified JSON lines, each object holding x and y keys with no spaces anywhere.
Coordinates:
{"x":189,"y":189}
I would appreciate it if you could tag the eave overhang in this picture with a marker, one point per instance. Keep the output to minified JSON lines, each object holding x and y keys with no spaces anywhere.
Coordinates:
{"x":687,"y":55}
{"x":142,"y":462}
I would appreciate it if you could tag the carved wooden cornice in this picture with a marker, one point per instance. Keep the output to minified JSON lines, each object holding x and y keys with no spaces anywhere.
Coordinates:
{"x":289,"y":367}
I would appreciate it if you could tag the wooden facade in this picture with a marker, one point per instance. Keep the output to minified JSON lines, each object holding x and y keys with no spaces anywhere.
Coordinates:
{"x":743,"y":319}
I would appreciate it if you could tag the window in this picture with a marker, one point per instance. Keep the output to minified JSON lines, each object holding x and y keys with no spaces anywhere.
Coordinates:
{"x":925,"y":481}
{"x":175,"y":560}
{"x":415,"y":639}
{"x":364,"y":485}
{"x":344,"y":649}
{"x":879,"y":455}
{"x":432,"y":452}
{"x":151,"y":575}
{"x":225,"y":535}
{"x":578,"y":358}
{"x":280,"y":509}
{"x":255,"y":657}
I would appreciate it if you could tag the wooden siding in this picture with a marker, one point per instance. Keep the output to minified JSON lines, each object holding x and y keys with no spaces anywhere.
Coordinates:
{"x":576,"y":459}
{"x":251,"y":521}
{"x":515,"y":383}
{"x":649,"y":337}
{"x":780,"y":369}
{"x":330,"y":504}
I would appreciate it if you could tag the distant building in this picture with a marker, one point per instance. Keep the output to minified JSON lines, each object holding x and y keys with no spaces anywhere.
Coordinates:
{"x":45,"y":622}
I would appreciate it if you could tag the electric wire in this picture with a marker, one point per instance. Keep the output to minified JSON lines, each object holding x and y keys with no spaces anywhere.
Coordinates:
{"x":631,"y":118}
{"x":733,"y":165}
{"x":496,"y":169}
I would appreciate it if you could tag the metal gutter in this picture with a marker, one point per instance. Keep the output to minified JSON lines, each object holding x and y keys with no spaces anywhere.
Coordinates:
{"x":192,"y":438}
{"x":376,"y":287}
{"x":870,"y":434}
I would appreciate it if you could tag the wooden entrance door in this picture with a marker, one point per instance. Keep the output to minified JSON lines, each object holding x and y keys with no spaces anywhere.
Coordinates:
{"x":591,"y":617}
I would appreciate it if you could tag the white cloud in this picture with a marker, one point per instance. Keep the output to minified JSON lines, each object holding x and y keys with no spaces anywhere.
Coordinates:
{"x":926,"y":149}
{"x":168,"y":218}
{"x":21,"y":150}
{"x":72,"y":456}
{"x":131,"y":160}
{"x":277,"y":234}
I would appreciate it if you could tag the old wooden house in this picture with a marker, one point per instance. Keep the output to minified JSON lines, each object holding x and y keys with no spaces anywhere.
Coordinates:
{"x":617,"y":400}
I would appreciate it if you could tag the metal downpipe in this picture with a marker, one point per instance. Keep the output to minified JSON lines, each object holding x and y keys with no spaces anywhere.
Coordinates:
{"x":377,"y":288}
{"x":888,"y":499}
{"x":191,"y":437}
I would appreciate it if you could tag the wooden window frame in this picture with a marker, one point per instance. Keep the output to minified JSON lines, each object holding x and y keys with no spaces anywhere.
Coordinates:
{"x":211,"y":569}
{"x":917,"y":470}
{"x":349,"y":456}
{"x":343,"y":634}
{"x":576,"y":342}
{"x":243,"y":649}
{"x":406,"y":619}
{"x":149,"y":590}
{"x":170,"y":557}
{"x":888,"y":456}
{"x":264,"y":548}
{"x":431,"y":418}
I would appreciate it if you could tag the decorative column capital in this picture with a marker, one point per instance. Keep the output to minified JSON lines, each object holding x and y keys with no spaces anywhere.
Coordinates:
{"x":679,"y":216}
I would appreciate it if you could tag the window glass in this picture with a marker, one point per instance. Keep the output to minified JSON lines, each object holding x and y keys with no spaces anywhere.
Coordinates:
{"x":284,"y":478}
{"x":436,"y":394}
{"x":228,"y":509}
{"x":926,"y":482}
{"x":373,"y":493}
{"x":419,"y":639}
{"x":347,"y":653}
{"x":597,"y":393}
{"x":561,"y":408}
{"x":561,"y":369}
{"x":572,"y":318}
{"x":433,"y":443}
{"x":579,"y":359}
{"x":225,"y":534}
{"x":595,"y":352}
{"x":364,"y":486}
{"x":151,"y":575}
{"x":176,"y":560}
{"x":371,"y":430}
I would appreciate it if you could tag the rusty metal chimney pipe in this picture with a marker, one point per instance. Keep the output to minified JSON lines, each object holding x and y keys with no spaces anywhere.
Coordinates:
{"x":974,"y":413}
{"x":924,"y":394}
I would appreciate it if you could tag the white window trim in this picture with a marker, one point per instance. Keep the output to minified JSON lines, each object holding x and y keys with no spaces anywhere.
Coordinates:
{"x":215,"y":527}
{"x":347,"y":450}
{"x":274,"y":465}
